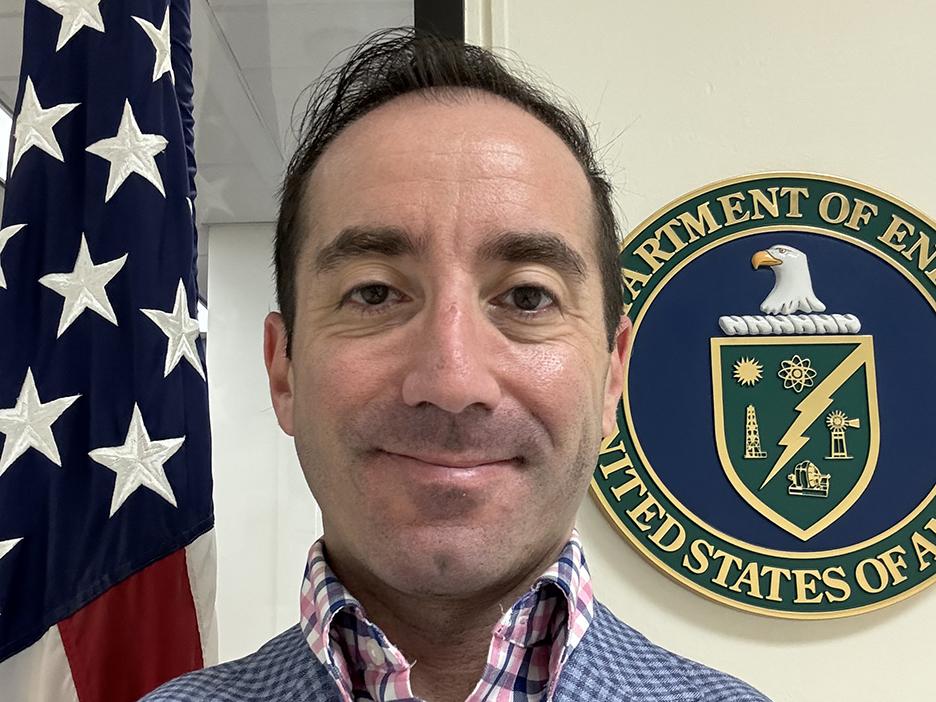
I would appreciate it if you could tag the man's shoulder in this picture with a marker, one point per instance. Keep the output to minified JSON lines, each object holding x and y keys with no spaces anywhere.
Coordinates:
{"x":282,"y":669}
{"x":616,"y":662}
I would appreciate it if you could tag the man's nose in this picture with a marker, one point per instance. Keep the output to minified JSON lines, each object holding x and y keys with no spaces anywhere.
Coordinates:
{"x":451,"y":365}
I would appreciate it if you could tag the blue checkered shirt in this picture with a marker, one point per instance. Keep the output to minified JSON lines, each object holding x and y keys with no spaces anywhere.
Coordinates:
{"x":612,"y":663}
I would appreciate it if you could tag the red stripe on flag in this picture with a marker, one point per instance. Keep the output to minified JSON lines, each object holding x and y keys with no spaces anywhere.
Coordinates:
{"x":135,"y":636}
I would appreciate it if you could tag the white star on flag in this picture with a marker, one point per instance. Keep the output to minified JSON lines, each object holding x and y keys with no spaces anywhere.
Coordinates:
{"x":34,"y":125}
{"x":83,"y":288}
{"x":161,"y":42}
{"x":5,"y":235}
{"x":130,"y":151}
{"x":139,"y":462}
{"x":182,"y":331}
{"x":7,"y":546}
{"x":75,"y":15}
{"x":28,"y":424}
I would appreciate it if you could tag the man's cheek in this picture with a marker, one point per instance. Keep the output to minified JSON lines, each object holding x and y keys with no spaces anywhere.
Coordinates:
{"x":355,"y":367}
{"x":556,"y":364}
{"x":330,"y":383}
{"x":557,"y":386}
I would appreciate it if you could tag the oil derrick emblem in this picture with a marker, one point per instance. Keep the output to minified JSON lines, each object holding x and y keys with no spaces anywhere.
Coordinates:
{"x":752,"y":447}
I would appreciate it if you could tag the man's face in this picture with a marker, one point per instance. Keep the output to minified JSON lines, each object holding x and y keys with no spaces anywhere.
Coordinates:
{"x":449,"y":380}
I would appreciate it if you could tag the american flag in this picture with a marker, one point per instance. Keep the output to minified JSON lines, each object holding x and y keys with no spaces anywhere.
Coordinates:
{"x":106,"y":525}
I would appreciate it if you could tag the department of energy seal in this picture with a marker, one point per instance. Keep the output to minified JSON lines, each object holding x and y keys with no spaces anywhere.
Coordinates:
{"x":773,"y":449}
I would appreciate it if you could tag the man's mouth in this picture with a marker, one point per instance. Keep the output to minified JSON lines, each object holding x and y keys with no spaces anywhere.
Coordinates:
{"x":452,"y":461}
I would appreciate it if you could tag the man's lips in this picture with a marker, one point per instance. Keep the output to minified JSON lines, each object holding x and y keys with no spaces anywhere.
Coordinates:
{"x":452,"y":461}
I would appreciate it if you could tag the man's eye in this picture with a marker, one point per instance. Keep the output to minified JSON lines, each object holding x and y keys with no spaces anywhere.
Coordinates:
{"x":372,"y":296}
{"x":529,"y":298}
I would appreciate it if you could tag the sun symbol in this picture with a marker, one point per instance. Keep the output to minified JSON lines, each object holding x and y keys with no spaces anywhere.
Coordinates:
{"x":747,"y":371}
{"x":797,"y":373}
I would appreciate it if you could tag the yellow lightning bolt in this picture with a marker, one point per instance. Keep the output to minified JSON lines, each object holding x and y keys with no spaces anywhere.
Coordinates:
{"x":814,"y":404}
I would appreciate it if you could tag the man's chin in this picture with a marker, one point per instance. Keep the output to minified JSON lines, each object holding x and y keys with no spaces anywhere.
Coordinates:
{"x":452,"y":561}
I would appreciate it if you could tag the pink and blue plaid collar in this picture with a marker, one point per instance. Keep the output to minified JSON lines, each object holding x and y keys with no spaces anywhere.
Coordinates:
{"x":529,"y":645}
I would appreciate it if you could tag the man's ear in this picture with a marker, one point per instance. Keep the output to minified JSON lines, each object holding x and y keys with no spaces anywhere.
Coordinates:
{"x":614,"y":383}
{"x":279,"y":369}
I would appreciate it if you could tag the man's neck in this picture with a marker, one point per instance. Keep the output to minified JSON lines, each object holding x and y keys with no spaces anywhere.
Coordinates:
{"x":445,"y":637}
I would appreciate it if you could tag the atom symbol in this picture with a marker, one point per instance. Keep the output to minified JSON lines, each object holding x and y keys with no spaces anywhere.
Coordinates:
{"x":797,"y":373}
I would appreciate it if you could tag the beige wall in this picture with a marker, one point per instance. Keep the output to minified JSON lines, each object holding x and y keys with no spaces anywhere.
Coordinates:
{"x":685,"y":93}
{"x":265,"y":516}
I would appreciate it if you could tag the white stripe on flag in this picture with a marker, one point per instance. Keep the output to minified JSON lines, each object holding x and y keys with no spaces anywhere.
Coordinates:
{"x":39,"y":673}
{"x":201,"y":562}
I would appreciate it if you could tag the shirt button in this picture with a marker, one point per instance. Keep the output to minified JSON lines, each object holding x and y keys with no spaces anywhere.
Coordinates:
{"x":375,"y":652}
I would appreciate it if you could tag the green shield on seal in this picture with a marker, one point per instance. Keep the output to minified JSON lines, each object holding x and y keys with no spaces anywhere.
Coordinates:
{"x":796,"y":424}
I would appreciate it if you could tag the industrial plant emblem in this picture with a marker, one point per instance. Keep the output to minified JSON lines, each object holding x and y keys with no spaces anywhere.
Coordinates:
{"x":774,"y":447}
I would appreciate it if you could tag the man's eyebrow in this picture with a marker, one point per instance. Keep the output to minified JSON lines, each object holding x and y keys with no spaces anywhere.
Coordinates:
{"x":545,"y":248}
{"x":355,"y":242}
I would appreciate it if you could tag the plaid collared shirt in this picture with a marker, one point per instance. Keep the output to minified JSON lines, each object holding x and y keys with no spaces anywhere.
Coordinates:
{"x":529,"y":645}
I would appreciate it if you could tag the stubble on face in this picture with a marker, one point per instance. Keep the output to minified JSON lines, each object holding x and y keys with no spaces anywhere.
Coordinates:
{"x":428,"y":536}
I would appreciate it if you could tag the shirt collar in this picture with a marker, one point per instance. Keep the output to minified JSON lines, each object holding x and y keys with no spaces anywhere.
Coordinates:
{"x":568,"y":580}
{"x":324,"y":599}
{"x":556,"y":610}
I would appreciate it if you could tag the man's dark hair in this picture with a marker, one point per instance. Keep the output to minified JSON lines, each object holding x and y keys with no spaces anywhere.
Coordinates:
{"x":397,"y":62}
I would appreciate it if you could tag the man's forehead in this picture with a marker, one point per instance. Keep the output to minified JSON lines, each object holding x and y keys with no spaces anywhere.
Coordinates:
{"x":459,"y":119}
{"x":451,"y":136}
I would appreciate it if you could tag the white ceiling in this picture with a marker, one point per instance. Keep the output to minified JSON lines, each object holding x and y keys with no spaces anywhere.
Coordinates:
{"x":252,"y":59}
{"x":11,"y":43}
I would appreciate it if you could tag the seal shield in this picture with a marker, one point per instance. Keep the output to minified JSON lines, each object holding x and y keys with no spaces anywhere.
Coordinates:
{"x":796,"y":425}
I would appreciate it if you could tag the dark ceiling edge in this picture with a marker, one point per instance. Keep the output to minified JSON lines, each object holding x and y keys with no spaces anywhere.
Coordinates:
{"x":443,"y":18}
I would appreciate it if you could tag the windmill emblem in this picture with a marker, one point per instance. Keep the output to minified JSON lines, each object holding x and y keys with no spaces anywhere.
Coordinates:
{"x":838,"y":423}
